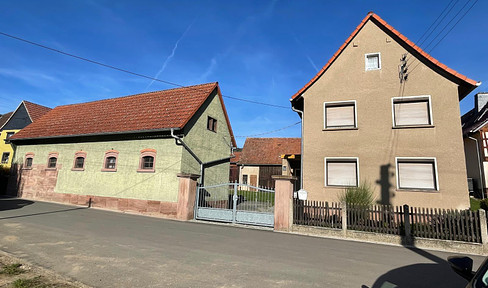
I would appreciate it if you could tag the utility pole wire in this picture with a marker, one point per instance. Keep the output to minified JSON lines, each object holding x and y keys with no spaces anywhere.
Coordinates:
{"x":130,"y":72}
{"x":459,"y":20}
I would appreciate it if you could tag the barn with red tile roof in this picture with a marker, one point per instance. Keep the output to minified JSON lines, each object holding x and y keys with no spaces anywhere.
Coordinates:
{"x":125,"y":153}
{"x":262,"y":158}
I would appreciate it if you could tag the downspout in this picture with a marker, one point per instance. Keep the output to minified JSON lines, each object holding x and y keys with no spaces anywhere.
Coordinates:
{"x":180,"y":142}
{"x":202,"y":164}
{"x":482,"y":176}
{"x":301,"y":145}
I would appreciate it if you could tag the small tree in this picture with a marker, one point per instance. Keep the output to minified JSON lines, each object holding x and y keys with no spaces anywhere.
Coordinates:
{"x":361,"y":195}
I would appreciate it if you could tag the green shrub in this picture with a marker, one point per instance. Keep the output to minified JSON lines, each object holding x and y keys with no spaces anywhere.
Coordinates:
{"x":12,"y":269}
{"x":360,"y":195}
{"x":474,"y":204}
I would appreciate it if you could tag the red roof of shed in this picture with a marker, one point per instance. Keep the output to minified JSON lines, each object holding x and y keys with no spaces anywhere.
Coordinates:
{"x":268,"y":151}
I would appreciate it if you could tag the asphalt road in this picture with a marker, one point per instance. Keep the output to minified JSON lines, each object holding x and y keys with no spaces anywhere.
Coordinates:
{"x":110,"y":249}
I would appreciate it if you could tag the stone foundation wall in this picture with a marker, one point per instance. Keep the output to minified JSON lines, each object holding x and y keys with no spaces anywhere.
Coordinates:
{"x":146,"y":207}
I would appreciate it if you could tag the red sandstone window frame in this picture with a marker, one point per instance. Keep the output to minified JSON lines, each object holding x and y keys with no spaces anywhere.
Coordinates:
{"x":29,"y":155}
{"x":79,"y":154}
{"x":109,"y":154}
{"x":147,"y":153}
{"x":52,"y":155}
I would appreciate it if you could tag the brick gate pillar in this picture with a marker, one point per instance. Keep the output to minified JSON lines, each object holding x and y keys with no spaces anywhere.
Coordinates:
{"x":186,"y":195}
{"x":283,"y":209}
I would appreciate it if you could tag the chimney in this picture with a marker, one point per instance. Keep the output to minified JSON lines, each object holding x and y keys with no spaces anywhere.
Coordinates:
{"x":480,"y":100}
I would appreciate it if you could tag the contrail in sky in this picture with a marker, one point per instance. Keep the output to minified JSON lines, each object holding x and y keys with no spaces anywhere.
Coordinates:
{"x":165,"y":63}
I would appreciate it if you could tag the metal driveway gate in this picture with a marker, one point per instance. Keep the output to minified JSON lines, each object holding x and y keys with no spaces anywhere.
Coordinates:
{"x":236,"y":203}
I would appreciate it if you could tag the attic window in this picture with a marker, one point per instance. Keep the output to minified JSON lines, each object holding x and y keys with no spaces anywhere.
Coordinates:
{"x":212,"y":124}
{"x":372,"y":61}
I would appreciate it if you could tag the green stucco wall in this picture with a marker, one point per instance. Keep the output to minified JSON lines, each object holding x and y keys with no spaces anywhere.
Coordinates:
{"x":126,"y":182}
{"x":208,"y":145}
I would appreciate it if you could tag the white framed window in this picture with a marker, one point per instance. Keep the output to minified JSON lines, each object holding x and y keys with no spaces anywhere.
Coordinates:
{"x":341,"y":171}
{"x":372,"y":61}
{"x":411,"y":111}
{"x":416,"y":173}
{"x":339,"y":115}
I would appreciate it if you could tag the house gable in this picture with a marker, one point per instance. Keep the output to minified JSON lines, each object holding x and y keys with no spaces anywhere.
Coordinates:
{"x":18,"y":120}
{"x":466,"y":85}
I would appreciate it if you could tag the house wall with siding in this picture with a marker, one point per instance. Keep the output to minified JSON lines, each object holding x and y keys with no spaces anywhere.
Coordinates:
{"x":126,"y":182}
{"x":206,"y":144}
{"x":375,"y":142}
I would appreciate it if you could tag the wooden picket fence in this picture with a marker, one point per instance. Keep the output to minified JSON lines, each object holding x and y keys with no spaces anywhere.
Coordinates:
{"x":316,"y":213}
{"x":459,"y":225}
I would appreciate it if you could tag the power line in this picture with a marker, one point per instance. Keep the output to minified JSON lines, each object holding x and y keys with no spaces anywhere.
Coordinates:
{"x":130,"y":72}
{"x":457,"y":22}
{"x":433,"y":23}
{"x":269,"y":132}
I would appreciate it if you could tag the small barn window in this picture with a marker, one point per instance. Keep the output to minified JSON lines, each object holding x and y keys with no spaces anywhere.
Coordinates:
{"x":52,"y":160}
{"x":79,"y":164}
{"x":147,"y":160}
{"x":29,"y":159}
{"x":110,"y":161}
{"x":212,"y":124}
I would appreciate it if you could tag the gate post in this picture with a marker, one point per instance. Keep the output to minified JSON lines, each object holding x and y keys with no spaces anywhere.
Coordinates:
{"x":186,"y":196}
{"x":283,"y":208}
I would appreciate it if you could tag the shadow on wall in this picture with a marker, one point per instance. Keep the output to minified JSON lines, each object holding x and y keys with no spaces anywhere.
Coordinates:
{"x":437,"y":274}
{"x":385,"y":184}
{"x":14,"y":188}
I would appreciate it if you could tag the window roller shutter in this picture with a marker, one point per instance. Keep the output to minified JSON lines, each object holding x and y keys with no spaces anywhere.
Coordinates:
{"x":416,"y":175}
{"x":341,"y":174}
{"x":412,"y":113}
{"x":340,"y":116}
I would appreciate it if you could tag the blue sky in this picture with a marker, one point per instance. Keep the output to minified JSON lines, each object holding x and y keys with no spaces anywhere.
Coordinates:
{"x":258,"y":50}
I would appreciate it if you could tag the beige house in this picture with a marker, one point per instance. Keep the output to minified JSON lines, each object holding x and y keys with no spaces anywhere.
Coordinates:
{"x":383,"y":111}
{"x":475,"y":132}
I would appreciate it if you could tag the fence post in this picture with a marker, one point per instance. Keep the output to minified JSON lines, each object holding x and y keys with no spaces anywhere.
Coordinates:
{"x":344,"y":218}
{"x":406,"y":223}
{"x":283,"y":208}
{"x":483,"y":227}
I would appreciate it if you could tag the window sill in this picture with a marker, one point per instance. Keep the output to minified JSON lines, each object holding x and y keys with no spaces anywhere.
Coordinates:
{"x":27,"y":168}
{"x":108,"y":170}
{"x":417,"y":190}
{"x":338,"y":129}
{"x":413,"y":126}
{"x":339,"y":186}
{"x":51,"y":169}
{"x":77,"y":169}
{"x":145,"y":171}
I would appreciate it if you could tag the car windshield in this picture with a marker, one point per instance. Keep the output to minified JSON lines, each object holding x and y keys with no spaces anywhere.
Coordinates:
{"x":481,"y":277}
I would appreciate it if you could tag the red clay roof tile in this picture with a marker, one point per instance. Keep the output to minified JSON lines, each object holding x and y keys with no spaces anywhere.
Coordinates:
{"x":158,"y":110}
{"x":35,"y":111}
{"x":267,"y":151}
{"x":371,"y":15}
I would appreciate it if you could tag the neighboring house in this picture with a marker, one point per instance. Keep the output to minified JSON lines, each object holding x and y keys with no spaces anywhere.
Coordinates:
{"x":366,"y":119}
{"x":475,"y":132}
{"x":234,"y":168}
{"x":125,"y":153}
{"x":261,"y":158}
{"x":12,"y":122}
